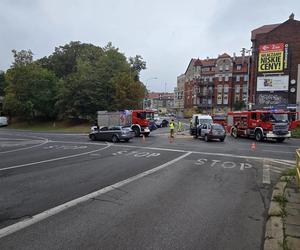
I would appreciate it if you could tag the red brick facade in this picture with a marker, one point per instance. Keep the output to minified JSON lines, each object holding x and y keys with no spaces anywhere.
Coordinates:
{"x":287,"y":33}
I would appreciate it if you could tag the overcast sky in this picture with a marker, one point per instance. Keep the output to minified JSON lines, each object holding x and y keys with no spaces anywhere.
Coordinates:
{"x":166,"y":33}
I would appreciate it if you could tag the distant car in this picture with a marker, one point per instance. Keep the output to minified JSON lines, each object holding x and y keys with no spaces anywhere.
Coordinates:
{"x":3,"y":121}
{"x":210,"y":131}
{"x":114,"y":134}
{"x":161,"y":122}
{"x":152,"y":126}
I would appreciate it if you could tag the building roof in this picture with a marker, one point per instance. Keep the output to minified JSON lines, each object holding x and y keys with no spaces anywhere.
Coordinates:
{"x":239,"y":59}
{"x":263,"y":29}
{"x":224,"y":55}
{"x":208,"y":62}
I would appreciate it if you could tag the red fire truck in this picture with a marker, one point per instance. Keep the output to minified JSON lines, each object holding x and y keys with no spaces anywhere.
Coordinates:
{"x":138,"y":120}
{"x":260,"y":124}
{"x":294,"y":120}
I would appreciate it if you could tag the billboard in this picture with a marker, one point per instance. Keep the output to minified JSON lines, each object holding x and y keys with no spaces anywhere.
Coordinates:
{"x":273,"y":83}
{"x":270,"y":58}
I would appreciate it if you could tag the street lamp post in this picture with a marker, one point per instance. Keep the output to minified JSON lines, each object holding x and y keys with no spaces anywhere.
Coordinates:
{"x":145,"y":99}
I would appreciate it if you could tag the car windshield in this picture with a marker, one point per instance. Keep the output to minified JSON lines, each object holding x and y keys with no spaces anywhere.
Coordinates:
{"x":275,"y":117}
{"x":205,"y":121}
{"x":217,"y":126}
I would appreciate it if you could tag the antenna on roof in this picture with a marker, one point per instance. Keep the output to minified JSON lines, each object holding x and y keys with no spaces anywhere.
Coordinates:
{"x":292,"y":16}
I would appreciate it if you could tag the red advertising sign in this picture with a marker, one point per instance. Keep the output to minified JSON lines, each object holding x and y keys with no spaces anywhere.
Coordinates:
{"x":271,"y":47}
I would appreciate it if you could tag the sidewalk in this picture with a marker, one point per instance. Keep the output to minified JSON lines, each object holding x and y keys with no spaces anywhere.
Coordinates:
{"x":283,"y":224}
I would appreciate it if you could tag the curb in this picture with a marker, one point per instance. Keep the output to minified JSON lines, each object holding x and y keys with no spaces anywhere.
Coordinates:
{"x":274,"y":235}
{"x":283,"y":222}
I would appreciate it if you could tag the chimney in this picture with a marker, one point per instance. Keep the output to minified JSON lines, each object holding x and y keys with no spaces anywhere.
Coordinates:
{"x":291,"y":17}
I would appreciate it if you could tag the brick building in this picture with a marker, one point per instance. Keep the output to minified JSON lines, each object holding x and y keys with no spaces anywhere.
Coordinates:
{"x":160,"y":100}
{"x":275,"y":71}
{"x":216,"y":85}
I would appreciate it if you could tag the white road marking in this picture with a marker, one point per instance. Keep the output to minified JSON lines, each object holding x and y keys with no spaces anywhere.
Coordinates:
{"x":276,"y":171}
{"x":266,"y":174}
{"x":54,"y":159}
{"x":274,"y":151}
{"x":19,"y":149}
{"x":10,"y":139}
{"x":41,"y":216}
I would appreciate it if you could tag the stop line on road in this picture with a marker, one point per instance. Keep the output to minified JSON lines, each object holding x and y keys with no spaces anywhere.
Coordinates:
{"x":224,"y":164}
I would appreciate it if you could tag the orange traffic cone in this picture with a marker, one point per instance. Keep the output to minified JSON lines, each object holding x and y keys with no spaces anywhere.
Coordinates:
{"x":253,"y":146}
{"x":143,"y":139}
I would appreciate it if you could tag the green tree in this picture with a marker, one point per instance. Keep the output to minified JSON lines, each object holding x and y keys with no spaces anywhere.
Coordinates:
{"x":137,"y":65}
{"x":22,"y":58}
{"x":64,"y":59}
{"x":129,"y":93}
{"x":3,"y":84}
{"x":31,"y":92}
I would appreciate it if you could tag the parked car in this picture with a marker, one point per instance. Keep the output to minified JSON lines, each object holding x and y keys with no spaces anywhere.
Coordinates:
{"x":3,"y":121}
{"x":114,"y":134}
{"x":161,"y":122}
{"x":152,"y":126}
{"x":210,"y":131}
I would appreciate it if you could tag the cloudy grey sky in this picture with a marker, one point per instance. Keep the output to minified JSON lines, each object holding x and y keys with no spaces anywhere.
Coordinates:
{"x":166,"y":33}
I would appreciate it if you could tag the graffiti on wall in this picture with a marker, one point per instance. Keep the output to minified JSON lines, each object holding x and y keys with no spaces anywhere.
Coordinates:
{"x":271,"y":99}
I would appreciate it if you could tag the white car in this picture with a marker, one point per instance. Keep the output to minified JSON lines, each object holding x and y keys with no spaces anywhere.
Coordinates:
{"x":3,"y":121}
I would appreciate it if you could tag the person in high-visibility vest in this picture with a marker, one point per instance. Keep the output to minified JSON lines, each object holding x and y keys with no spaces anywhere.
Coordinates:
{"x":172,"y":127}
{"x":180,"y":126}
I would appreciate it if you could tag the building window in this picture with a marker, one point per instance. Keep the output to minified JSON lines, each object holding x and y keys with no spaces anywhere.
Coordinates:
{"x":226,"y":67}
{"x":226,"y":88}
{"x":238,"y":67}
{"x":221,"y":68}
{"x":219,"y":99}
{"x":226,"y":78}
{"x":246,"y":78}
{"x":237,"y":78}
{"x":237,"y":88}
{"x":220,"y":88}
{"x":225,"y":99}
{"x":220,"y":78}
{"x":245,"y":88}
{"x":211,"y":79}
{"x":237,"y":98}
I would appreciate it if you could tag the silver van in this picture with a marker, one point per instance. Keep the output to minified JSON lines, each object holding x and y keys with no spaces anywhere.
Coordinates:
{"x":197,"y":120}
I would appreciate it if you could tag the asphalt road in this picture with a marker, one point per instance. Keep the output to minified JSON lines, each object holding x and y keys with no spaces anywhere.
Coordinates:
{"x":62,"y":191}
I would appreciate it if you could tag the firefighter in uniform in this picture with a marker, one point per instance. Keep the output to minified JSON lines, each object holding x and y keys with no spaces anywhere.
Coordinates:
{"x":172,"y":127}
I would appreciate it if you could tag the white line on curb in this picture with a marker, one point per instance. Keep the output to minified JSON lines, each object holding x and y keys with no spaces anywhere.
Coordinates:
{"x":266,"y":174}
{"x":41,"y":216}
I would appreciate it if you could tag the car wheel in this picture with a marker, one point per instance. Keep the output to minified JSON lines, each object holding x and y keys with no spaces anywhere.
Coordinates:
{"x":222,"y":139}
{"x":136,"y":131}
{"x":93,"y":137}
{"x":280,"y":139}
{"x":258,"y":135}
{"x":206,"y":138}
{"x":146,"y":134}
{"x":114,"y":139}
{"x":126,"y":140}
